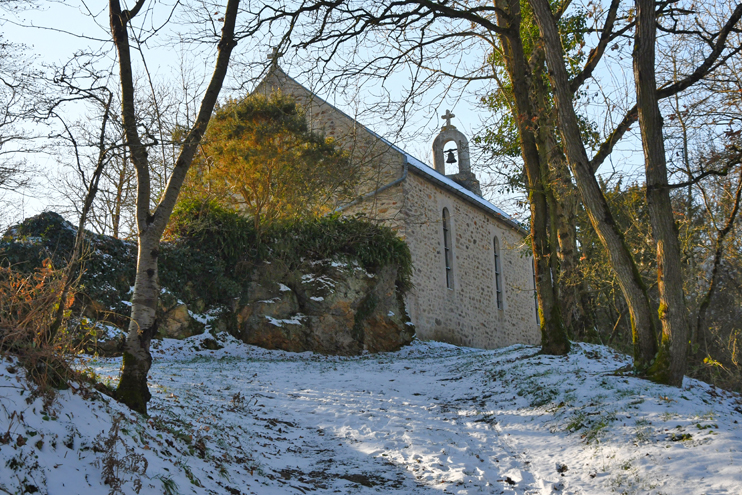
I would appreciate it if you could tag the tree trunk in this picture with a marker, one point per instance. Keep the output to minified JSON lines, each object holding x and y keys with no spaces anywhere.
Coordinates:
{"x":669,"y":367}
{"x":553,"y":336}
{"x":132,"y":389}
{"x":562,"y":205}
{"x":597,"y":208}
{"x":571,"y":289}
{"x":118,"y":200}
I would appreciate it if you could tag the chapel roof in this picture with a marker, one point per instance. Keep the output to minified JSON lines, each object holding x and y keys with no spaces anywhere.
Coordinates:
{"x":419,"y":166}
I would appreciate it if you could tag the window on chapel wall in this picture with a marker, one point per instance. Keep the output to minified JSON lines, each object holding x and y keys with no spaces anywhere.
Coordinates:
{"x":447,"y":253}
{"x":498,"y":274}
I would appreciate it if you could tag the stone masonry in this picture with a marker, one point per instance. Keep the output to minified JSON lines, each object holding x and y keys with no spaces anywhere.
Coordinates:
{"x":466,"y":314}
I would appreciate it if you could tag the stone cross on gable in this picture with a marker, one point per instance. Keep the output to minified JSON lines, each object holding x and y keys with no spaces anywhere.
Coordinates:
{"x":448,"y":116}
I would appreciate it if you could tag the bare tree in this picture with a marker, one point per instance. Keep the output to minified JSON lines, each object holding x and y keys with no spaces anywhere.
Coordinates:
{"x":17,"y":78}
{"x":104,"y":97}
{"x":669,"y":364}
{"x":113,"y":212}
{"x":151,"y":223}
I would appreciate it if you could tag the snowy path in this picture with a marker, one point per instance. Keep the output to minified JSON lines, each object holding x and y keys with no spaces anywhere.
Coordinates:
{"x":396,"y":420}
{"x":429,"y":419}
{"x":376,"y":425}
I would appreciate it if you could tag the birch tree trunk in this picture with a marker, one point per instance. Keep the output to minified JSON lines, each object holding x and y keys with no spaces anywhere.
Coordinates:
{"x":597,"y":208}
{"x":669,"y":366}
{"x":132,"y":389}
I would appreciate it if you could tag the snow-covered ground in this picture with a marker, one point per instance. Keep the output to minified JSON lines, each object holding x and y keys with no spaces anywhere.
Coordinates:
{"x":430,"y":419}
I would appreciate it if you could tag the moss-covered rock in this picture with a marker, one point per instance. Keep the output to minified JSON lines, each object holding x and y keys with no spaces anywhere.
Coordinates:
{"x":332,"y":286}
{"x":108,"y":264}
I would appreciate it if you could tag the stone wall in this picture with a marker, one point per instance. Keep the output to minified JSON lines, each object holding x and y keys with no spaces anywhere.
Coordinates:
{"x":466,"y":314}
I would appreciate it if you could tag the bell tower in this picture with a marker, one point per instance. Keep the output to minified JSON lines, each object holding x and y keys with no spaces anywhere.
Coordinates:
{"x":465,"y":177}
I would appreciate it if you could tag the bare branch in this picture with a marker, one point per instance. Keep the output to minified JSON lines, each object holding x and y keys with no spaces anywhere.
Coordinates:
{"x":597,"y":53}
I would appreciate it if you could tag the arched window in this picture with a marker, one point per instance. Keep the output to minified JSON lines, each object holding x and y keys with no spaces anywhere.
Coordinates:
{"x":447,"y":253}
{"x":498,"y":274}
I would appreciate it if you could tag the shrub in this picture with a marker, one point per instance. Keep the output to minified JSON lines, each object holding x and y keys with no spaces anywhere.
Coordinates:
{"x":27,"y":303}
{"x":371,"y":245}
{"x":207,"y":227}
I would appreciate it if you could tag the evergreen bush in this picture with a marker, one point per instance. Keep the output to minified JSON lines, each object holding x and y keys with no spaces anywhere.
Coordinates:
{"x":205,"y":226}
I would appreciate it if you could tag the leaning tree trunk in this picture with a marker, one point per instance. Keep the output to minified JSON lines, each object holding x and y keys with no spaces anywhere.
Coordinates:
{"x":670,"y":364}
{"x":554,"y":339}
{"x":597,"y":208}
{"x":132,"y":389}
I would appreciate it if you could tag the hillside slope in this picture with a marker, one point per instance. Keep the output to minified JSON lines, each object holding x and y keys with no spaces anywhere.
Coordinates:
{"x":431,"y":418}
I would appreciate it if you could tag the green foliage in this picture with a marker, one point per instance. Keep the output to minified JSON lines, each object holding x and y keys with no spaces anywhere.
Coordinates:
{"x":501,"y":138}
{"x":259,"y":155}
{"x":212,"y":228}
{"x":198,"y":277}
{"x":45,"y":236}
{"x":205,"y":228}
{"x":371,"y":245}
{"x":572,"y":27}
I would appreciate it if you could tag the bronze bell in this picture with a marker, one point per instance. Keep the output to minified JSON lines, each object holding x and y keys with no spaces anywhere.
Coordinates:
{"x":451,"y":158}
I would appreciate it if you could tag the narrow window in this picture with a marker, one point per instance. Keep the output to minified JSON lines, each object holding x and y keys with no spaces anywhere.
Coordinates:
{"x":498,"y":275}
{"x":447,"y":249}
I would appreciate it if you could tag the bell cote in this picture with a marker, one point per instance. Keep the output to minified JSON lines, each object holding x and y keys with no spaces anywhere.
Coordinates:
{"x":448,"y":134}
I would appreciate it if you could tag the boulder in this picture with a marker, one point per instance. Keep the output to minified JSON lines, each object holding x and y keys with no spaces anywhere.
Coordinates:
{"x":328,"y":307}
{"x":175,"y":321}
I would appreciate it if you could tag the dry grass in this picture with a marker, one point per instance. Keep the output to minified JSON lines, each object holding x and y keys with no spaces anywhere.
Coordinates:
{"x":27,"y":308}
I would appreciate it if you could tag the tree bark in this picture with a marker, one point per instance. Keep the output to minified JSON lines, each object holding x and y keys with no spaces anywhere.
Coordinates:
{"x":553,"y":336}
{"x":597,"y":208}
{"x":118,"y":200}
{"x":669,"y":366}
{"x":132,"y":389}
{"x":571,"y":289}
{"x":562,"y":202}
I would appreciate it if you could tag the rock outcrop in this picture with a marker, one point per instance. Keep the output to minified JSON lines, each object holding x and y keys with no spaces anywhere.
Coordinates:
{"x":174,"y":318}
{"x":325,"y":306}
{"x":328,"y":307}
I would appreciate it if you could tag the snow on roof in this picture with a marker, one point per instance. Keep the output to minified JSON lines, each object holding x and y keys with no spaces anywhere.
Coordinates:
{"x":432,"y":174}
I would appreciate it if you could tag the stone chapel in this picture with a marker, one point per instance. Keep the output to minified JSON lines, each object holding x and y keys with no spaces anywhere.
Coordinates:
{"x":473,"y":285}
